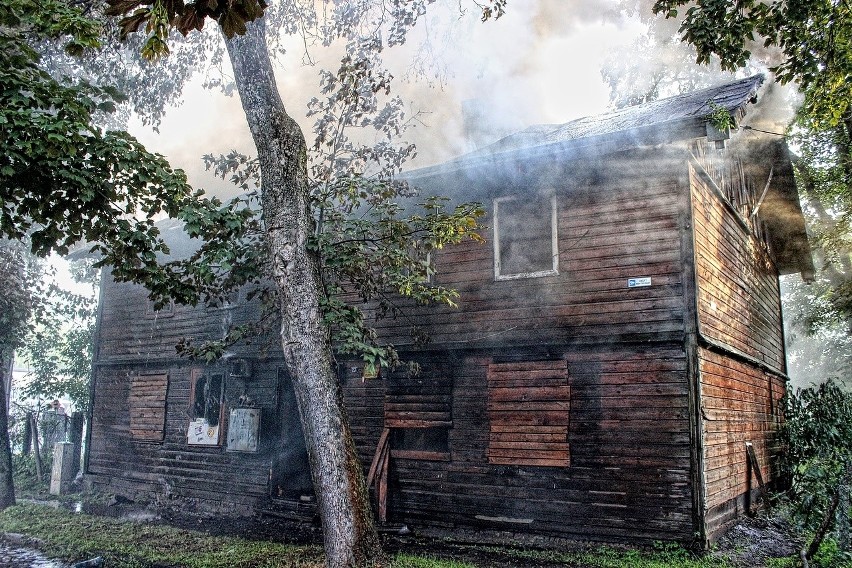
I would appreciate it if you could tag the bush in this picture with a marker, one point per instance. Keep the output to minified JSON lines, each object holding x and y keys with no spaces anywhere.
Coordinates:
{"x":817,"y":459}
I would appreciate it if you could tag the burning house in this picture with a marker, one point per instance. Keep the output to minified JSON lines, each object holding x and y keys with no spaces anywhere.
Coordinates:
{"x":613,"y":370}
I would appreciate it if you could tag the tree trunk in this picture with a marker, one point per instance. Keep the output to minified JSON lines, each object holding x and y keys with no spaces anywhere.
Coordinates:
{"x":7,"y":486}
{"x":342,"y":498}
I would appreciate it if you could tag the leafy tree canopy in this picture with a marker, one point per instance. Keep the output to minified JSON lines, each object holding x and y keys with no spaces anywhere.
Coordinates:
{"x":808,"y":44}
{"x":814,"y":37}
{"x":64,"y":180}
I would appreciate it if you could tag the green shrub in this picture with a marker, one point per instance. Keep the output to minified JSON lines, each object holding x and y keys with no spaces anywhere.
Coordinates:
{"x":817,"y":458}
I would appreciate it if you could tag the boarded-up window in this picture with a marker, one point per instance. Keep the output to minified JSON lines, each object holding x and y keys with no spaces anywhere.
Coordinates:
{"x":147,"y":402}
{"x":525,"y":239}
{"x":418,"y":414}
{"x":529,"y":408}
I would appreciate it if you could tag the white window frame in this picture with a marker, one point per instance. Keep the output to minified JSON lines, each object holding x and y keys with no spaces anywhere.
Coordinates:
{"x":554,"y":240}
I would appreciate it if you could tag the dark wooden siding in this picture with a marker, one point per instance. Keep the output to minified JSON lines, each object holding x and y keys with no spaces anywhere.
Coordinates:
{"x":629,"y":472}
{"x":610,"y":229}
{"x":131,"y":332}
{"x":211,"y":477}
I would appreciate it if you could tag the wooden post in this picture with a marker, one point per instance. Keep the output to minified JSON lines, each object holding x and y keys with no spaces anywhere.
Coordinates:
{"x":378,"y":474}
{"x":752,"y":467}
{"x":843,"y":507}
{"x":75,"y":436}
{"x":36,"y":449}
{"x":28,"y":435}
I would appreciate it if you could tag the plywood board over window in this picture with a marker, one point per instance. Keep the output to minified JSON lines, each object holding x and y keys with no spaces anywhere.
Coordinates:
{"x":147,"y":403}
{"x":529,"y":409}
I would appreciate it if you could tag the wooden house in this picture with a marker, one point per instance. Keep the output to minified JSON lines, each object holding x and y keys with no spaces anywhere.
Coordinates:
{"x":616,"y":350}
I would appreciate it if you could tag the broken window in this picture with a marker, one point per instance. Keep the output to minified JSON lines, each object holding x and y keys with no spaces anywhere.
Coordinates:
{"x":418,"y":414}
{"x":147,"y":404}
{"x":206,"y":407}
{"x":421,"y":443}
{"x":525,"y":239}
{"x":529,"y":408}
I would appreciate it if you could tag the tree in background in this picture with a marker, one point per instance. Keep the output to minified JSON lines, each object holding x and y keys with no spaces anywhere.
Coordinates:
{"x":817,"y":434}
{"x":17,"y":276}
{"x":64,"y":180}
{"x":58,"y":345}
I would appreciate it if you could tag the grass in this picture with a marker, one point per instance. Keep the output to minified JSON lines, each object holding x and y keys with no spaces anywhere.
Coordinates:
{"x":125,"y":544}
{"x":663,"y":555}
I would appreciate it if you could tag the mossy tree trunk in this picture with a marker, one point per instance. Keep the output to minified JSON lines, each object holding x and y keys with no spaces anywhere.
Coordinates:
{"x":342,"y":498}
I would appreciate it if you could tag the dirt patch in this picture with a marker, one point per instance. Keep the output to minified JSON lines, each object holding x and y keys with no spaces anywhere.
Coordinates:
{"x":754,"y":541}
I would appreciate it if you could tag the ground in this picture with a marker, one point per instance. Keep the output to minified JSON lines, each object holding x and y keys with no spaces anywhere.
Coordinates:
{"x":752,"y":542}
{"x":756,"y":541}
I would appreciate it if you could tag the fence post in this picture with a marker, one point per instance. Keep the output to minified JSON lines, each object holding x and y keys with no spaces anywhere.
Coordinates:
{"x":75,"y":436}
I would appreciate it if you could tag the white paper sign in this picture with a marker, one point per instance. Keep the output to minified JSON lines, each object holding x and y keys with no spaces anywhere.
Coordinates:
{"x":201,"y":433}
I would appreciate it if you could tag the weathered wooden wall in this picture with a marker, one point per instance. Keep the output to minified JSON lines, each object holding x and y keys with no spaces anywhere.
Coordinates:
{"x":597,"y":441}
{"x":209,"y":478}
{"x":742,"y":361}
{"x":622,"y":407}
{"x":629,"y":472}
{"x":132,"y":332}
{"x":612,"y":225}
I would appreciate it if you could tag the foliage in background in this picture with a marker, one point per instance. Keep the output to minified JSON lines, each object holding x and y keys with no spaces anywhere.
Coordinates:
{"x":817,"y":458}
{"x":814,"y":38}
{"x":58,"y":347}
{"x":18,"y":277}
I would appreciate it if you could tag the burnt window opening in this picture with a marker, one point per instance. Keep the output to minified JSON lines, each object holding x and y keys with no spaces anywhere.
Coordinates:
{"x":165,"y":311}
{"x":418,"y":415}
{"x":525,"y":237}
{"x":227,"y":300}
{"x":207,"y":397}
{"x":206,"y":407}
{"x":421,"y":443}
{"x":424,"y":267}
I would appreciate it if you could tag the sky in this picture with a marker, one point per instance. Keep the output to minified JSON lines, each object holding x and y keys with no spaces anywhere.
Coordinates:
{"x":540,"y":63}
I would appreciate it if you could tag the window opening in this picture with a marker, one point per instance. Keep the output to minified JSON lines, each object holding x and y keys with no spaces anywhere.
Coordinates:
{"x":206,"y":406}
{"x":525,"y":238}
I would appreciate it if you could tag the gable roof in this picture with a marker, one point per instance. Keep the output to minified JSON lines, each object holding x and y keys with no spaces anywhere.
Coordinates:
{"x":686,"y":112}
{"x":681,"y":117}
